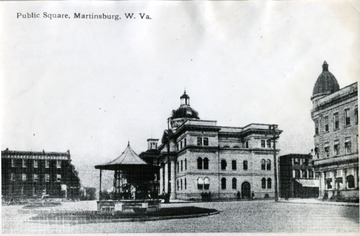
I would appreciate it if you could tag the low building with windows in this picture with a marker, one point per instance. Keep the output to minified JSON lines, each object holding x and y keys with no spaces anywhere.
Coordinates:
{"x":296,"y":177}
{"x":198,"y":157}
{"x":335,"y":114}
{"x":27,"y":174}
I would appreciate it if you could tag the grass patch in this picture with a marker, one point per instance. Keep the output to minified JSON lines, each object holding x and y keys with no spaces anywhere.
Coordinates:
{"x":94,"y":216}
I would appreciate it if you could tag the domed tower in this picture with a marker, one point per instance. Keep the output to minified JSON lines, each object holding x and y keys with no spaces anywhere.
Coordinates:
{"x":325,"y":84}
{"x":184,"y":112}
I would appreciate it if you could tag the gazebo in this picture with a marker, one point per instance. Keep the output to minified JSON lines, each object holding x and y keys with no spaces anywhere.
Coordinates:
{"x":134,"y":186}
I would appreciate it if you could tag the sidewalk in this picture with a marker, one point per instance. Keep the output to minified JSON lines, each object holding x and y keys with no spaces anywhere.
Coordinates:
{"x":317,"y":201}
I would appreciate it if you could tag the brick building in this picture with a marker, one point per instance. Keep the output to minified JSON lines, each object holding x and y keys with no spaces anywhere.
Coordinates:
{"x":198,"y":156}
{"x":335,"y":114}
{"x":296,"y":176}
{"x":26,"y":174}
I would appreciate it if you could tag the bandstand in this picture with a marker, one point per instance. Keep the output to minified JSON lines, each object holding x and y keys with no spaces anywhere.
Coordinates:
{"x":134,"y":185}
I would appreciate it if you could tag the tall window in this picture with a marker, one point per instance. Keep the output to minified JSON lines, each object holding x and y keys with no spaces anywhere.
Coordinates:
{"x":206,"y":141}
{"x":23,"y":163}
{"x":347,"y":145}
{"x":185,"y":164}
{"x":316,"y":127}
{"x":297,"y":173}
{"x":326,"y":124}
{"x":356,"y":115}
{"x":200,"y":183}
{"x":336,"y":148}
{"x":347,"y":117}
{"x":185,"y":183}
{"x":181,"y":184}
{"x":263,"y":183}
{"x":223,"y":183}
{"x":233,"y":164}
{"x":336,"y":121}
{"x":246,"y":144}
{"x":181,"y":164}
{"x":304,"y":174}
{"x":269,"y":183}
{"x":35,"y":177}
{"x":12,"y":177}
{"x":177,"y":184}
{"x":177,"y":167}
{"x":36,"y":163}
{"x":311,"y":174}
{"x":327,"y":150}
{"x":23,"y":177}
{"x":206,"y":163}
{"x":47,"y":163}
{"x":58,"y":164}
{"x":12,"y":163}
{"x":199,"y":163}
{"x":206,"y":183}
{"x":245,"y":165}
{"x":268,"y":143}
{"x":58,"y":178}
{"x":199,"y":141}
{"x":268,"y":164}
{"x":47,"y":178}
{"x":234,"y":183}
{"x":329,"y":183}
{"x":223,"y":164}
{"x":350,"y":181}
{"x":262,"y":143}
{"x":263,"y":164}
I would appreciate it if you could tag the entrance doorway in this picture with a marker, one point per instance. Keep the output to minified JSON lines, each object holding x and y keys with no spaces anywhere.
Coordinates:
{"x":246,"y":190}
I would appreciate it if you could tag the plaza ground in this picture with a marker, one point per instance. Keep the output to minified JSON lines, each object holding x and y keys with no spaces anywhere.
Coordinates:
{"x":235,"y":216}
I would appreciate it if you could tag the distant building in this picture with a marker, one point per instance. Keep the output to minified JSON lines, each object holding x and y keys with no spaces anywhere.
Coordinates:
{"x":199,"y":158}
{"x":296,"y":177}
{"x":335,"y":114}
{"x":27,"y":174}
{"x":151,"y":154}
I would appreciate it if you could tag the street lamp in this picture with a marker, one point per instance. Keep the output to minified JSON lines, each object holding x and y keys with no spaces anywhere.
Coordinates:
{"x":273,"y":128}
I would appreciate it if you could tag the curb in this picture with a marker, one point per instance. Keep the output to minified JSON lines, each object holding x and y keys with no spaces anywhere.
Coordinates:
{"x":325,"y":203}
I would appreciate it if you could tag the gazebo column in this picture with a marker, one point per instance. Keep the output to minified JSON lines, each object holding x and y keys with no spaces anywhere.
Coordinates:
{"x":173,"y":187}
{"x":161,"y":180}
{"x":166,"y":178}
{"x":100,"y":185}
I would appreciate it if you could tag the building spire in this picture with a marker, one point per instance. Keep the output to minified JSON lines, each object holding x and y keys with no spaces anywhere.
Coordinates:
{"x":325,"y":66}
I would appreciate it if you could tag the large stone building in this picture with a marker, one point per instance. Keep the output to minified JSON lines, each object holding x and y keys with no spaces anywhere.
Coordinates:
{"x":335,"y":114}
{"x":26,"y":174}
{"x":198,"y":157}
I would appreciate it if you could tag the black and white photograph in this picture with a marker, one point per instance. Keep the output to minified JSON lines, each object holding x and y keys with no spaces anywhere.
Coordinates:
{"x":165,"y":117}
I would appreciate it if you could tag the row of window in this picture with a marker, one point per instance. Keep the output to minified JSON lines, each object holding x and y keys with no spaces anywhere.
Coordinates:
{"x":182,"y":165}
{"x":336,"y":148}
{"x":204,"y":164}
{"x":266,"y":143}
{"x":303,"y":174}
{"x":350,"y":181}
{"x":179,"y":184}
{"x":35,"y":163}
{"x":35,"y":177}
{"x":204,"y":183}
{"x":335,"y":120}
{"x":266,"y":183}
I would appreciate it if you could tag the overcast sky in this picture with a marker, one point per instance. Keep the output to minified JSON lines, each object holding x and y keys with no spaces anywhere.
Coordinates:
{"x":91,"y":86}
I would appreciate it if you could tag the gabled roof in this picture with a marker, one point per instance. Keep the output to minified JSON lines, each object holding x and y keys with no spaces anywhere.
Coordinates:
{"x":127,"y":158}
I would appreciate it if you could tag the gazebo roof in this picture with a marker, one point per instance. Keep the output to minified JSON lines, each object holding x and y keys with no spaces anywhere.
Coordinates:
{"x":127,"y":159}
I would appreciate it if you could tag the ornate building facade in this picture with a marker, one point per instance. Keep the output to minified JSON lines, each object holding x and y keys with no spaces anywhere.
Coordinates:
{"x":26,"y":174}
{"x":335,"y":114}
{"x":198,"y":157}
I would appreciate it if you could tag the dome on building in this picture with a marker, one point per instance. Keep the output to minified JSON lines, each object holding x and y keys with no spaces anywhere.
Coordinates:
{"x":326,"y":83}
{"x":185,"y":111}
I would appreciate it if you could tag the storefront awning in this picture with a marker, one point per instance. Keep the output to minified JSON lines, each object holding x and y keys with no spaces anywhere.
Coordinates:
{"x":309,"y":182}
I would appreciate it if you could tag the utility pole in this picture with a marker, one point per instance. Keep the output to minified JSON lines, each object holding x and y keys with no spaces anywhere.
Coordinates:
{"x":274,"y":137}
{"x":168,"y":160}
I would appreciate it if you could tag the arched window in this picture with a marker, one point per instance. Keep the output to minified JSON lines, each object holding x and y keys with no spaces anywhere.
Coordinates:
{"x":177,"y":184}
{"x":185,"y":164}
{"x":177,"y":167}
{"x":263,"y":183}
{"x":350,"y":181}
{"x":223,"y":183}
{"x":185,"y":182}
{"x":199,"y":163}
{"x":181,"y":164}
{"x":269,"y":183}
{"x":206,"y":183}
{"x":226,"y":146}
{"x":245,"y":165}
{"x":268,"y":164}
{"x":181,"y":186}
{"x":234,"y":183}
{"x":200,"y":183}
{"x":236,"y":146}
{"x":223,"y":164}
{"x":233,"y":164}
{"x":262,"y":164}
{"x":206,"y":163}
